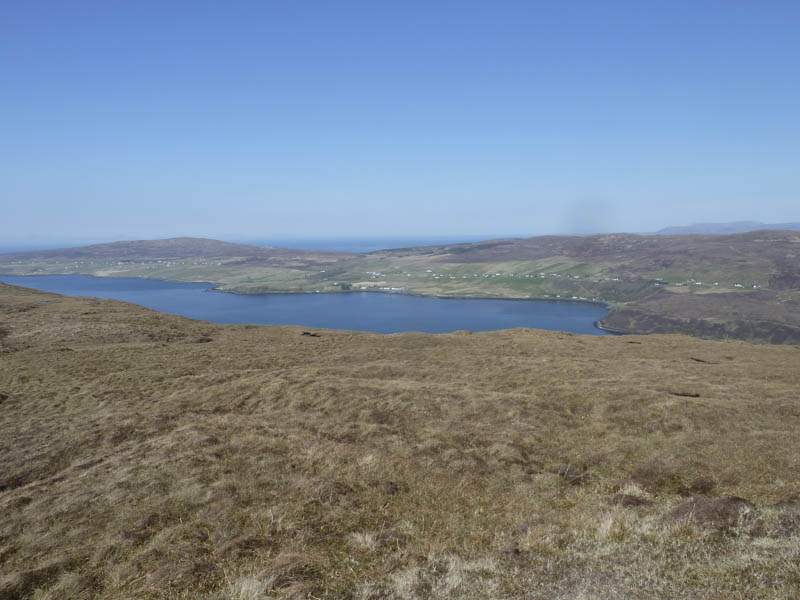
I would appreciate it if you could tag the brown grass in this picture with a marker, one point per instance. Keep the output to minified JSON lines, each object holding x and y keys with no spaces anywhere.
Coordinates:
{"x":138,"y":459}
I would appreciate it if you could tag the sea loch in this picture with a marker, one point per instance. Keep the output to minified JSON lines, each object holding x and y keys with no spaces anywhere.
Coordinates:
{"x":359,"y":311}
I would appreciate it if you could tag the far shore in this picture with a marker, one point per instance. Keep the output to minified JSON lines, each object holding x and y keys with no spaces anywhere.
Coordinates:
{"x":405,"y":293}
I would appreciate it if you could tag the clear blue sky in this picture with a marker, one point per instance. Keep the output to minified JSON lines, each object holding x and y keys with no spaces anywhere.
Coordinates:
{"x":262,"y":119}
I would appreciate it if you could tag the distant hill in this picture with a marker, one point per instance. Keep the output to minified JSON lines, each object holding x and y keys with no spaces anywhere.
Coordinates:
{"x":182,"y":248}
{"x":171,"y":248}
{"x":633,"y":255}
{"x":722,"y":228}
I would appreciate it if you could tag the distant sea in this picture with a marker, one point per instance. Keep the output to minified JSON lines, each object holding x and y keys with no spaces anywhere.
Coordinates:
{"x":361,"y":245}
{"x":353,"y":244}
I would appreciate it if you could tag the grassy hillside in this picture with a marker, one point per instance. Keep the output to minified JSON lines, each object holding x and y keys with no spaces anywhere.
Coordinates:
{"x":149,"y":456}
{"x":743,"y":286}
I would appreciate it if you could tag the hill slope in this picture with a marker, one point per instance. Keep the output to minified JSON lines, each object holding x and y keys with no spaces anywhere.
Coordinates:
{"x":150,"y":456}
{"x":642,"y":256}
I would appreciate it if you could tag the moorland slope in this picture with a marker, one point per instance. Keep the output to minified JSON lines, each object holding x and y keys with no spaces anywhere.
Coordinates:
{"x":144,"y":455}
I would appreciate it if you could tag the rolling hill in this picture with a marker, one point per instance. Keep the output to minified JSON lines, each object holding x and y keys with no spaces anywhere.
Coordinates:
{"x":176,"y":249}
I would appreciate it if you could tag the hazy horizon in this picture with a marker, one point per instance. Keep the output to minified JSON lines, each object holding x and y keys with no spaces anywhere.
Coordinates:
{"x":308,"y":243}
{"x":338,"y":243}
{"x":372,"y":120}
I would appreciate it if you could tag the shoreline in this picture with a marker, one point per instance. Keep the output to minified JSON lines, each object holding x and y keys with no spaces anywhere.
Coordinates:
{"x":599,"y":325}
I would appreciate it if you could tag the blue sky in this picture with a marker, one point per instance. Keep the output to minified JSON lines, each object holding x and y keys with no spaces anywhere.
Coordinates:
{"x":285,"y":119}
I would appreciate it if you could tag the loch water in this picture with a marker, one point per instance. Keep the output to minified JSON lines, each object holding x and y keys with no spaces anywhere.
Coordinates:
{"x":359,"y":311}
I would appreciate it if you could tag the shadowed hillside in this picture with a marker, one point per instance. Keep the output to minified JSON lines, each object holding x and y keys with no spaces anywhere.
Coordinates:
{"x":149,"y":456}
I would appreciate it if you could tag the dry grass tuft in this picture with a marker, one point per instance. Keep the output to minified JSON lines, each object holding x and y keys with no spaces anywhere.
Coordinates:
{"x":720,"y":513}
{"x":248,"y":588}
